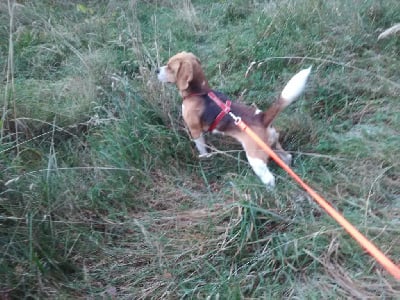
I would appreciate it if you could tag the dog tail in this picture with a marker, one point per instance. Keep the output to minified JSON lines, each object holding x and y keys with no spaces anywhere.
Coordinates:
{"x":290,"y":93}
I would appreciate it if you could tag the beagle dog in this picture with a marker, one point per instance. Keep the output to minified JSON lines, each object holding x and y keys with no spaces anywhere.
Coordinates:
{"x":200,"y":112}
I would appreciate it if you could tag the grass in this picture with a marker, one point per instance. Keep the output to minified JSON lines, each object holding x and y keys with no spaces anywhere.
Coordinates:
{"x":101,"y":191}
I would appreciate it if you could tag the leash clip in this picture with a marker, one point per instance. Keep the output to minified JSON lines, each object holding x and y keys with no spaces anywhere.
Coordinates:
{"x":235,"y":118}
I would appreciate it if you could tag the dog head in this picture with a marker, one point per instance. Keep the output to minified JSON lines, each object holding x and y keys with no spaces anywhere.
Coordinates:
{"x":184,"y":69}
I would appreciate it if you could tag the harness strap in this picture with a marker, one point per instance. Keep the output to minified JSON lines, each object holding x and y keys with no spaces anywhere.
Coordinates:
{"x":225,"y":109}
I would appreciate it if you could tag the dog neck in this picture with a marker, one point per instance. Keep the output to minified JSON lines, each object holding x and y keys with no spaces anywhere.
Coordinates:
{"x":196,"y":87}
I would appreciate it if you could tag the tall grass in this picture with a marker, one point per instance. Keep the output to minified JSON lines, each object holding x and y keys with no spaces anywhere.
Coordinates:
{"x":101,"y":191}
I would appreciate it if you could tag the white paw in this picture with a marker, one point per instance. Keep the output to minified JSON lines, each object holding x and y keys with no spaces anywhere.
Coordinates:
{"x":287,"y":158}
{"x":261,"y":170}
{"x":269,"y":181}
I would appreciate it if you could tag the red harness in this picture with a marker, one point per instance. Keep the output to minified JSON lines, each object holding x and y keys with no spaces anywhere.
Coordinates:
{"x":225,"y":108}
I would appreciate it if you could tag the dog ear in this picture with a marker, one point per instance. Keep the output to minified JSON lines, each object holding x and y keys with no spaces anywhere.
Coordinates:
{"x":184,"y":75}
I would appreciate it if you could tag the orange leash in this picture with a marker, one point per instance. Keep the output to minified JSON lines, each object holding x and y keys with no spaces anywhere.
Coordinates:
{"x":359,"y":237}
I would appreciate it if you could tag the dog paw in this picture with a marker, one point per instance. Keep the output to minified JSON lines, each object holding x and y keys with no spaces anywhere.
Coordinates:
{"x":270,"y":184}
{"x":287,"y":159}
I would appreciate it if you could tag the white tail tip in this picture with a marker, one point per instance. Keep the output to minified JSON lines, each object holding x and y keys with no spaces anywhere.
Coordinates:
{"x":295,"y":86}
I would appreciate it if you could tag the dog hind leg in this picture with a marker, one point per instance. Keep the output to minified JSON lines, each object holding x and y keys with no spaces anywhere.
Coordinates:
{"x":260,"y":168}
{"x":285,"y":156}
{"x":273,"y":140}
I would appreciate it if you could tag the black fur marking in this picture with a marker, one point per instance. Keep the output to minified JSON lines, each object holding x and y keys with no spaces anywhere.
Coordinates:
{"x":212,"y":110}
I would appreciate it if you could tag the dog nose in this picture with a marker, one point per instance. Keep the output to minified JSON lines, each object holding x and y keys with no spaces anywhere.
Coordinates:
{"x":157,"y":70}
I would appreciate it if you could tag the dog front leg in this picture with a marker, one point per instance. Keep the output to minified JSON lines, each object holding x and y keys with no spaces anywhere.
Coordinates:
{"x":196,"y":132}
{"x":201,"y":146}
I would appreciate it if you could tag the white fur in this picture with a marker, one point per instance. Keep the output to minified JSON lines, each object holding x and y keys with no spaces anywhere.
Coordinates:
{"x":201,"y":146}
{"x":262,"y":171}
{"x":216,"y":131}
{"x":295,"y":86}
{"x":258,"y":111}
{"x":162,"y":74}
